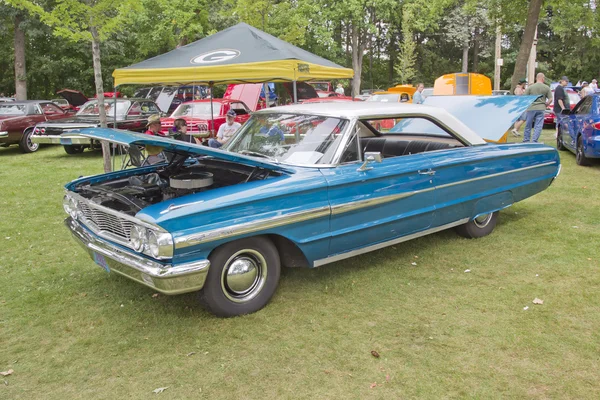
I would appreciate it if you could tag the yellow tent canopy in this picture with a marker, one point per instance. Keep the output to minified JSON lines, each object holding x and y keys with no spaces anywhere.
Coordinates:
{"x":240,"y":54}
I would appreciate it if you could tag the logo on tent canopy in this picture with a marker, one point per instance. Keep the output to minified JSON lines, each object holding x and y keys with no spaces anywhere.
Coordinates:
{"x":216,"y":56}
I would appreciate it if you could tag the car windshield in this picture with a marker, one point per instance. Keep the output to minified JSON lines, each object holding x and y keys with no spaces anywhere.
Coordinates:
{"x":91,"y":108}
{"x":13,"y":109}
{"x":196,"y":109}
{"x":290,"y":138}
{"x":324,"y":86}
{"x":385,"y":98}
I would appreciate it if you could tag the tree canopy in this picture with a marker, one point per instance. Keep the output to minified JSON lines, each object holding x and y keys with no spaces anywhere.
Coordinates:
{"x":388,"y":42}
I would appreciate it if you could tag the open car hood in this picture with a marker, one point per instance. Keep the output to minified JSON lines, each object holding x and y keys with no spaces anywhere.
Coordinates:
{"x":489,"y":116}
{"x":74,"y":97}
{"x":128,"y":138}
{"x":248,"y":93}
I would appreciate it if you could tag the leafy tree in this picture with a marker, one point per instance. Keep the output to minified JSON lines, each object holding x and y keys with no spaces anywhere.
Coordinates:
{"x":92,"y":21}
{"x":407,"y":57}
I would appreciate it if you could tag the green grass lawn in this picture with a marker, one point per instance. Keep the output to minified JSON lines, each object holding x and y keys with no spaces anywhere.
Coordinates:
{"x":71,"y":331}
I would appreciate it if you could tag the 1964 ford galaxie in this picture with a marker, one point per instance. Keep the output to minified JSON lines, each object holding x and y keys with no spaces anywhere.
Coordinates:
{"x":302,"y":185}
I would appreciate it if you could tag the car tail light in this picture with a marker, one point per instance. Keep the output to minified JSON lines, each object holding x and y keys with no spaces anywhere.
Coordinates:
{"x":597,"y":125}
{"x":37,"y":130}
{"x":43,"y":130}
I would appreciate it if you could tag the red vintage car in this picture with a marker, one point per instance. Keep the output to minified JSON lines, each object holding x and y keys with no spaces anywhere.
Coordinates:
{"x":197,"y":115}
{"x":241,"y":98}
{"x":18,"y":119}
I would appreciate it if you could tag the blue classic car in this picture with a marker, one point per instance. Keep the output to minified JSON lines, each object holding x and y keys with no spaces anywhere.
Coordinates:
{"x":579,"y":130}
{"x":298,"y":186}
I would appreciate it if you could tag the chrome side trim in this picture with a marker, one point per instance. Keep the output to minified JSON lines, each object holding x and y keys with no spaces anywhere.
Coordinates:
{"x":356,"y":205}
{"x":496,"y":174}
{"x":165,"y":278}
{"x":3,"y":134}
{"x":250,"y":227}
{"x":343,"y":256}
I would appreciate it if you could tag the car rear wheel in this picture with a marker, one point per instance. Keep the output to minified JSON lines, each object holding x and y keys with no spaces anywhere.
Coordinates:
{"x":242,"y":278}
{"x":559,"y":141}
{"x":580,"y":157}
{"x":73,"y":149}
{"x":25,"y":144}
{"x":481,"y":226}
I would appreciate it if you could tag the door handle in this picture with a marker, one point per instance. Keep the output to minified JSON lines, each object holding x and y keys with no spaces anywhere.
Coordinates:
{"x":429,"y":172}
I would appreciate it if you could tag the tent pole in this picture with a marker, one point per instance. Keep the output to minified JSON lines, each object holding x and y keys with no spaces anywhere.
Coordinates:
{"x":295,"y":93}
{"x":266,"y":88}
{"x":212,"y":117}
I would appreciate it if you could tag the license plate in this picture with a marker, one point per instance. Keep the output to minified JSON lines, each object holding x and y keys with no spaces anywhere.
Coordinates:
{"x":66,"y":141}
{"x":101,"y":261}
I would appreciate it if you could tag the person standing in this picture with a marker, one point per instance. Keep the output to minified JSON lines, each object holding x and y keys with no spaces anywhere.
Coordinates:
{"x":340,"y":89}
{"x":226,"y":131}
{"x":561,"y":100}
{"x":585,"y":90}
{"x":594,"y":85}
{"x":418,"y":96}
{"x":535,"y":112}
{"x":519,"y":90}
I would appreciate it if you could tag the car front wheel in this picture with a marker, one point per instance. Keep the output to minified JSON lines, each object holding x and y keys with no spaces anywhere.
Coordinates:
{"x":242,"y":278}
{"x":73,"y":149}
{"x":580,"y":157}
{"x":25,"y":144}
{"x":481,"y":226}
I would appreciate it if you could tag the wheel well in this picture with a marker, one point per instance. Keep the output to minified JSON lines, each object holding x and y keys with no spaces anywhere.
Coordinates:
{"x":290,"y":254}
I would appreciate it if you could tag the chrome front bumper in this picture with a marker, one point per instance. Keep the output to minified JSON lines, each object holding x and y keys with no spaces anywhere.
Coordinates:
{"x":164,"y":278}
{"x":60,"y":139}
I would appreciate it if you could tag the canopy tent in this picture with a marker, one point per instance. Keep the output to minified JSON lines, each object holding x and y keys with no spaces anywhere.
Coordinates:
{"x":240,"y":54}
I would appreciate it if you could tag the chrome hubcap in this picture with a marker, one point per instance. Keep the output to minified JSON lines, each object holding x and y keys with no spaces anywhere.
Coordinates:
{"x":244,"y":275}
{"x":30,"y":144}
{"x":482,"y":220}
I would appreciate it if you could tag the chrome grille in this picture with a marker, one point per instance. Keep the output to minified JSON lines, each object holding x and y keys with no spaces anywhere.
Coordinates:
{"x":106,"y":222}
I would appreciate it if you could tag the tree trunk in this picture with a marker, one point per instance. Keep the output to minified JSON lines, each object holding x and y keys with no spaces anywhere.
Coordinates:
{"x":20,"y":70}
{"x":100,"y":94}
{"x":533,"y":15}
{"x":357,"y":58}
{"x":465,"y":57}
{"x":476,"y":40}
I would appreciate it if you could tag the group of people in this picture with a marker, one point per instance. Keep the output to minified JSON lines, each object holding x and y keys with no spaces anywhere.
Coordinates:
{"x":179,"y":130}
{"x":534,"y":116}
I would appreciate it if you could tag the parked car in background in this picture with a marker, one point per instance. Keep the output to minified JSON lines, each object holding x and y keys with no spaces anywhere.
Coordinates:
{"x":6,"y":99}
{"x":579,"y":130}
{"x":132,"y":114}
{"x":74,"y":98}
{"x":297,"y":186}
{"x":18,"y":118}
{"x":168,"y":98}
{"x":550,"y":117}
{"x":427,"y":92}
{"x":202,"y":123}
{"x":500,"y":92}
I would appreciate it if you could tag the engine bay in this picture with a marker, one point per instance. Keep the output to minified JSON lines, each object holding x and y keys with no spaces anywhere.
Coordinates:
{"x":132,"y":193}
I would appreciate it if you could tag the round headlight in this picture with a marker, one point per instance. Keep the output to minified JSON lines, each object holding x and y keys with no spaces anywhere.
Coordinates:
{"x":138,"y":237}
{"x":73,"y":208}
{"x":67,"y":204}
{"x":153,"y":244}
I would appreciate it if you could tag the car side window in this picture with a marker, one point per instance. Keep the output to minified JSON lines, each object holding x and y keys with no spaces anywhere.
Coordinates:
{"x":584,"y":107}
{"x":51,"y":109}
{"x":135,"y":109}
{"x":149,"y":107}
{"x":35,"y":110}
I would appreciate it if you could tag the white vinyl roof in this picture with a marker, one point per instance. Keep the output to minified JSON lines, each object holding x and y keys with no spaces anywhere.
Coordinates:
{"x":376,"y":110}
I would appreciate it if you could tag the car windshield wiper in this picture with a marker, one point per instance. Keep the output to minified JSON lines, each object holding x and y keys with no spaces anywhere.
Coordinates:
{"x":257,"y":154}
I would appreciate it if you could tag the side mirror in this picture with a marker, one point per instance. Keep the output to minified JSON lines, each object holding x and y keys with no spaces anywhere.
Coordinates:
{"x":370,"y":157}
{"x":565,"y":111}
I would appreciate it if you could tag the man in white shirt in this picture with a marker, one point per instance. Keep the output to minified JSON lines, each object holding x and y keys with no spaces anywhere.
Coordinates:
{"x":340,"y":89}
{"x":226,"y":131}
{"x":594,"y":85}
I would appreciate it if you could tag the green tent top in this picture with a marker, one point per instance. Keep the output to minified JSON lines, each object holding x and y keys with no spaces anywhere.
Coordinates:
{"x":240,"y":54}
